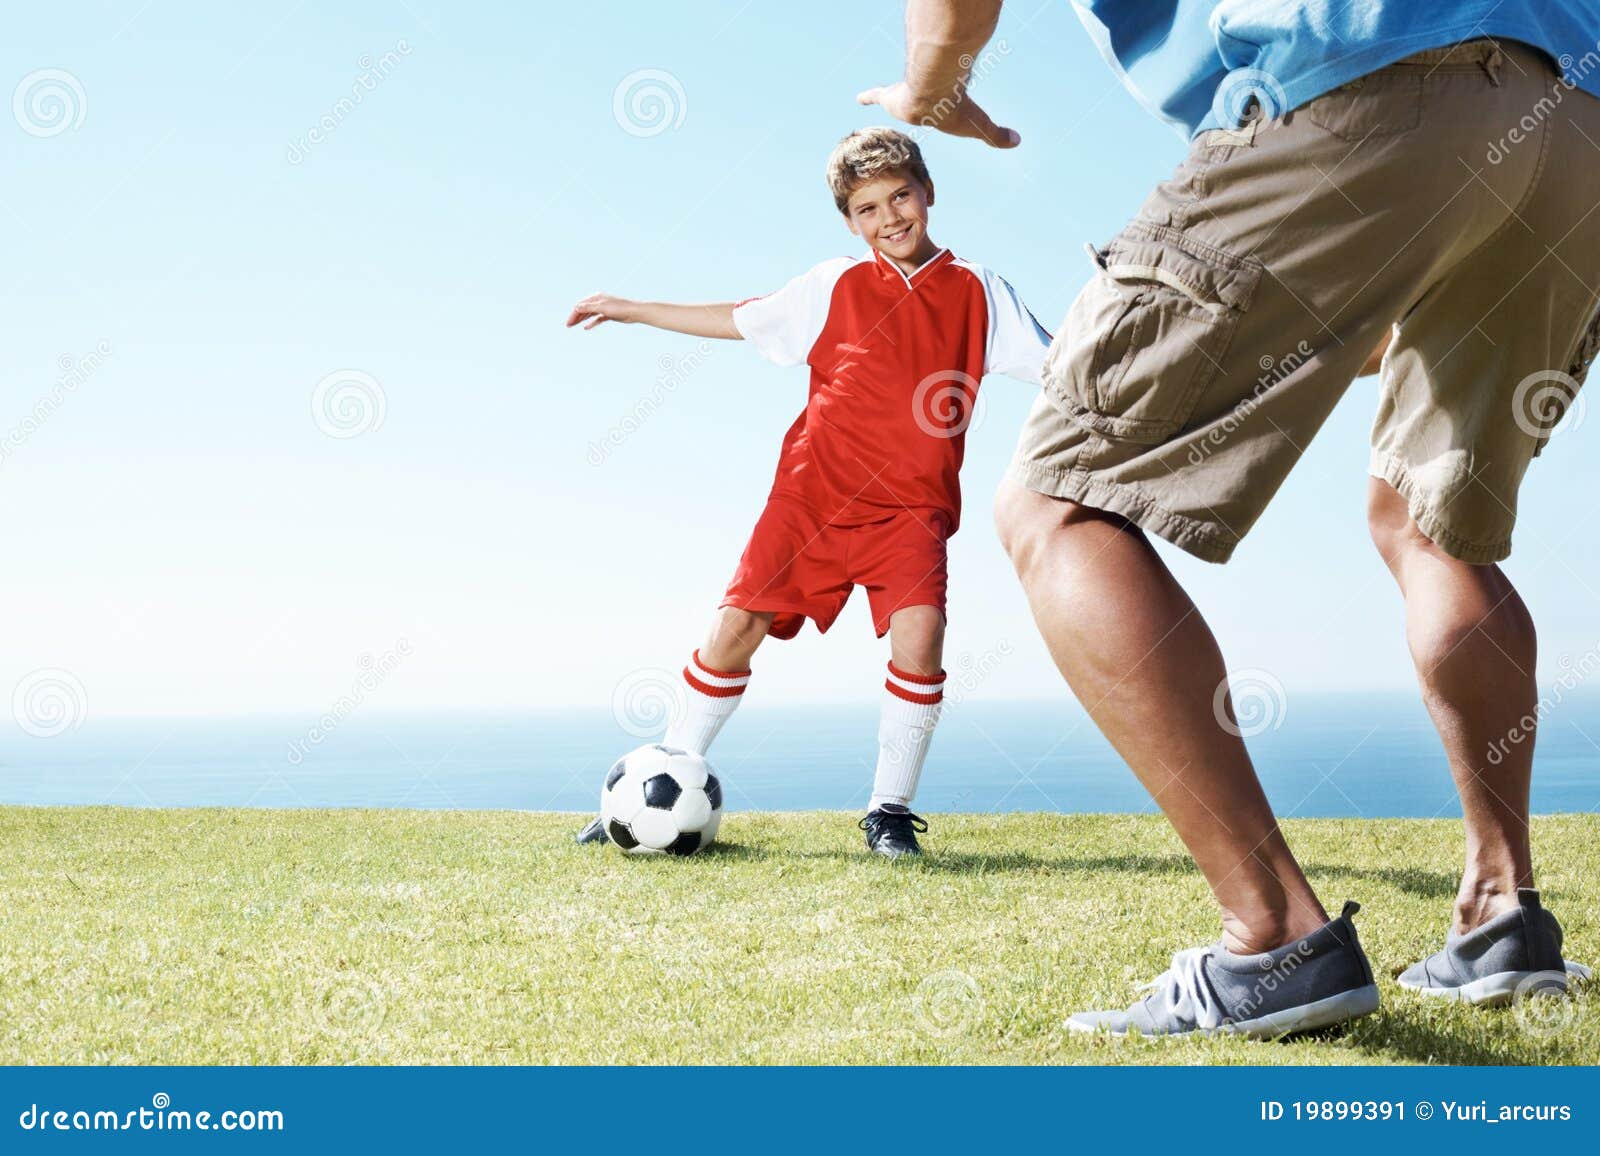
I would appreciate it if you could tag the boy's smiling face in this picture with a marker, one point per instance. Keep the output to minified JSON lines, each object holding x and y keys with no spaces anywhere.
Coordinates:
{"x":890,"y":213}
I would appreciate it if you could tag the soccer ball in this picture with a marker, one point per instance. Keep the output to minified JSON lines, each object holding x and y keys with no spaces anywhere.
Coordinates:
{"x":660,"y":798}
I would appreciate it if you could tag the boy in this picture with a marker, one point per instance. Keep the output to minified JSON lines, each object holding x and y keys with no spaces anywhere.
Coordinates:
{"x":866,"y":491}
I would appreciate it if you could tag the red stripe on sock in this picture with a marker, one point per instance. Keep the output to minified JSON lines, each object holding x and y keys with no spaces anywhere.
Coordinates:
{"x":708,"y":689}
{"x":909,"y":696}
{"x":718,"y":673}
{"x":919,"y":679}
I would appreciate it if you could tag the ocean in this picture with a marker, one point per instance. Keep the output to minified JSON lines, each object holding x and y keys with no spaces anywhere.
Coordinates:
{"x":1330,"y":755}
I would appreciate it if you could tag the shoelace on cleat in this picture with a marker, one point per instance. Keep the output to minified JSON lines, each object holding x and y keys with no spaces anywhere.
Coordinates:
{"x":897,"y":822}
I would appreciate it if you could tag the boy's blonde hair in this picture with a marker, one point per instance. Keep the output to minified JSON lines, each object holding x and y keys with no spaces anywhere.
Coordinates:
{"x":868,"y":153}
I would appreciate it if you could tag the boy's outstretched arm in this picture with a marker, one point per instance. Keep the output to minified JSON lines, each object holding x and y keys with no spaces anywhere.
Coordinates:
{"x":696,"y":320}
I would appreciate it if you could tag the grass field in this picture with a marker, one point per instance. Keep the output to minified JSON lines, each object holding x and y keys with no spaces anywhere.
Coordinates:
{"x":291,"y":937}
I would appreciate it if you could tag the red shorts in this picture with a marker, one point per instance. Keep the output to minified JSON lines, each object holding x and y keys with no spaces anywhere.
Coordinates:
{"x":798,"y":566}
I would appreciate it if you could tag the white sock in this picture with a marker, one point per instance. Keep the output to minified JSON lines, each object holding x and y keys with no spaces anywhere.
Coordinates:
{"x":710,"y":697}
{"x":911,"y":705}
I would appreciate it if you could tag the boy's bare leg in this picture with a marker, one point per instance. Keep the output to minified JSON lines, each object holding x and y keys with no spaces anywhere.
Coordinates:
{"x":916,"y":639}
{"x":734,"y":638}
{"x":1474,"y":646}
{"x":1137,"y":654}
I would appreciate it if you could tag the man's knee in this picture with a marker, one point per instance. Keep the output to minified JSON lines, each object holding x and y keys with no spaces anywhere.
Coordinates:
{"x":1027,"y":521}
{"x":1390,"y":524}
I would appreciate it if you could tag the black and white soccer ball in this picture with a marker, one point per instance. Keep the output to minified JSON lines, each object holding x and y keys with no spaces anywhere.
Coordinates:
{"x":661,"y":799}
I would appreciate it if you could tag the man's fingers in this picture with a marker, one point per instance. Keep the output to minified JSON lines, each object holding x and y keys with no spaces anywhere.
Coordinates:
{"x":870,"y":96}
{"x":599,"y":317}
{"x":986,"y":130}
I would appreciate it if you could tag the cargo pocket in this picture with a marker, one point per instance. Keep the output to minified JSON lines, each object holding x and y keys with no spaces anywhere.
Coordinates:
{"x":1550,"y":406}
{"x":1146,"y":335}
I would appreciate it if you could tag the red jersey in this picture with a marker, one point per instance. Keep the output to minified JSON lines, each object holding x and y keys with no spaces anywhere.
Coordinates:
{"x":896,"y":361}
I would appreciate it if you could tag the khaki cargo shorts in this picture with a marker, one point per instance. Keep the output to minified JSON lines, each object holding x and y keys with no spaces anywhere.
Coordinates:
{"x":1454,"y":196}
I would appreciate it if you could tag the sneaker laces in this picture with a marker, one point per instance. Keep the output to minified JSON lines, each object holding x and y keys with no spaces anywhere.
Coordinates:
{"x":874,"y":821}
{"x":1186,"y":991}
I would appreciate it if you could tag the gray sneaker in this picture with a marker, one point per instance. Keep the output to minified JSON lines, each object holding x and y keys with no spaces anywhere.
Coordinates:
{"x":1513,"y":955}
{"x":1315,"y":982}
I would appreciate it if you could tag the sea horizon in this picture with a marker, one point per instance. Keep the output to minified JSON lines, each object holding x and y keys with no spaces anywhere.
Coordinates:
{"x":1332,"y":754}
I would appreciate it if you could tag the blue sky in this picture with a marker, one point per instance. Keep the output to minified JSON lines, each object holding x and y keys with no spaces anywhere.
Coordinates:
{"x":185,"y":537}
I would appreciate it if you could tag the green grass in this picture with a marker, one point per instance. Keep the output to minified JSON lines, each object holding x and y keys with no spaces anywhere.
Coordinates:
{"x":293,"y":937}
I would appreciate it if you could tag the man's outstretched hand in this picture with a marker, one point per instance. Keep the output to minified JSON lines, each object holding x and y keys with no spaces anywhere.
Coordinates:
{"x":957,"y":114}
{"x":598,"y":308}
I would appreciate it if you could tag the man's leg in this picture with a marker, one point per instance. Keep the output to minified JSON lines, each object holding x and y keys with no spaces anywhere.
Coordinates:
{"x":1473,"y":643}
{"x":1137,"y":654}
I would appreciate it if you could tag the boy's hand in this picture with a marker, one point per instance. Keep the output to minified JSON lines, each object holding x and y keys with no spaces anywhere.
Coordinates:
{"x":601,"y":307}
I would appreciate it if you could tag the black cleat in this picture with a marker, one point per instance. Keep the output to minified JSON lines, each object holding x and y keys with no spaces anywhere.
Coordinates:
{"x":892,"y":831}
{"x":595,"y":832}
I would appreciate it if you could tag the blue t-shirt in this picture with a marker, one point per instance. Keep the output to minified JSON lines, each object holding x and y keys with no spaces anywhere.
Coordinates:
{"x":1197,"y":63}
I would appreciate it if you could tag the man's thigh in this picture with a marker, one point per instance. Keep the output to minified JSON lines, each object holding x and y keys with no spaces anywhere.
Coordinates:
{"x":1222,"y":325}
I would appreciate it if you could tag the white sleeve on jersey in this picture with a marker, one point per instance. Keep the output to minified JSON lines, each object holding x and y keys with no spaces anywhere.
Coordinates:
{"x":1017,"y":342}
{"x":783,"y":326}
